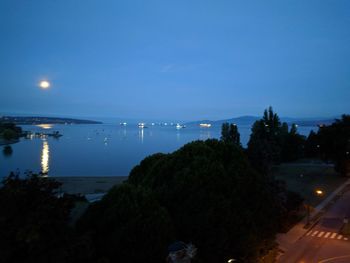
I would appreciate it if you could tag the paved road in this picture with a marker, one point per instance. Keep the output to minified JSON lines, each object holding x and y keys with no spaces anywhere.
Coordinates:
{"x":323,"y":243}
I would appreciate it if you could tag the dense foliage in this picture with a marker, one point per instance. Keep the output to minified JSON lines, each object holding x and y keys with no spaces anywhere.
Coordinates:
{"x":205,"y":193}
{"x":128,"y":225}
{"x":332,"y":143}
{"x":272,"y":142}
{"x":230,"y":134}
{"x":9,"y":131}
{"x":34,"y":222}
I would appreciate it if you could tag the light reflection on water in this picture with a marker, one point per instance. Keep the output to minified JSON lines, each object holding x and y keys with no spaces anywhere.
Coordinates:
{"x":204,"y":135}
{"x":45,"y":158}
{"x":45,"y":126}
{"x":141,"y":134}
{"x":102,"y":150}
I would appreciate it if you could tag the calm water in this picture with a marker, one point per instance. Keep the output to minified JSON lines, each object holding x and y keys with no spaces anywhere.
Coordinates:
{"x":102,"y":149}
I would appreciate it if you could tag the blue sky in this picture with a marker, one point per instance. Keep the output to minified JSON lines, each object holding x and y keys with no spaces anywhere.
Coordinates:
{"x":178,"y":59}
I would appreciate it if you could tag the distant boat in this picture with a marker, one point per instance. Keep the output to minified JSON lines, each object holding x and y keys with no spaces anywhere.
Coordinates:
{"x":179,"y":126}
{"x":123,"y":124}
{"x":205,"y":125}
{"x":142,"y":125}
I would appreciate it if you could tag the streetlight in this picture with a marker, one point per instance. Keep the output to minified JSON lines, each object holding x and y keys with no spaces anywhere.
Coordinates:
{"x":319,"y":193}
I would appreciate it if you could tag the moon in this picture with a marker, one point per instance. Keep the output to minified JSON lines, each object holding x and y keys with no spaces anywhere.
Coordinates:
{"x":44,"y":84}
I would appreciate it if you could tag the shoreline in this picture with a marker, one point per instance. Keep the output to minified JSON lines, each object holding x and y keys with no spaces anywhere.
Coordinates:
{"x":88,"y":184}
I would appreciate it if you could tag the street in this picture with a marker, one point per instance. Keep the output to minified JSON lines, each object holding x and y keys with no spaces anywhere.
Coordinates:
{"x":324,"y":242}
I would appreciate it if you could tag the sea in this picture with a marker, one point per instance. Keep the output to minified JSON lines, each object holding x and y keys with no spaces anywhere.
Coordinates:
{"x":107,"y":149}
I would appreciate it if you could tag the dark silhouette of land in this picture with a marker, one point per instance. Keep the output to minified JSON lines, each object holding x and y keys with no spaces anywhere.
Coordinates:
{"x":33,"y":120}
{"x":249,"y":120}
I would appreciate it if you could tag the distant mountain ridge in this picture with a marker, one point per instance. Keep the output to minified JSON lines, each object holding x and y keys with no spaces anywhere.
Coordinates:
{"x":32,"y":120}
{"x":249,"y":120}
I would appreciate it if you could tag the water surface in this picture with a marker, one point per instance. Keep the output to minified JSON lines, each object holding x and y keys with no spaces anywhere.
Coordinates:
{"x":101,"y":149}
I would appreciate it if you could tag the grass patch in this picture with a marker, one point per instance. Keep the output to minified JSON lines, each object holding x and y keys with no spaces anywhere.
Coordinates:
{"x":305,"y":178}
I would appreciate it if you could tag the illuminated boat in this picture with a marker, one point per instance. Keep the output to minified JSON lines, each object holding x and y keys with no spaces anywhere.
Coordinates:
{"x":142,"y":125}
{"x":205,"y":125}
{"x":179,"y":126}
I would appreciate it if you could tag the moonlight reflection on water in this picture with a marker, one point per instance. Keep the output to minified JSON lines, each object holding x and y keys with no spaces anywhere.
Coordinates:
{"x":45,"y":158}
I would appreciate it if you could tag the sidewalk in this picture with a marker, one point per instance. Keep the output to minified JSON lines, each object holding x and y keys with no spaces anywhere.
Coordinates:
{"x":286,"y":240}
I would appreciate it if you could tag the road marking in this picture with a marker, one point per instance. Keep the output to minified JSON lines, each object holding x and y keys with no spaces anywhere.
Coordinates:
{"x":340,"y":237}
{"x":320,"y":234}
{"x":345,"y":238}
{"x":308,"y":233}
{"x":333,"y":235}
{"x":314,"y":233}
{"x":327,"y":234}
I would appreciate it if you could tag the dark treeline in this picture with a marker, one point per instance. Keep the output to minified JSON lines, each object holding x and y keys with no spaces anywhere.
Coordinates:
{"x":272,"y":142}
{"x":212,"y":193}
{"x":9,"y":131}
{"x":332,"y":143}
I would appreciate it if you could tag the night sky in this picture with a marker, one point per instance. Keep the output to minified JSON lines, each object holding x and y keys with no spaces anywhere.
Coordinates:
{"x":178,"y":59}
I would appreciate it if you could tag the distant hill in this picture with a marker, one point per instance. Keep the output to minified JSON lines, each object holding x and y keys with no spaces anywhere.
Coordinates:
{"x":243,"y":120}
{"x":44,"y":120}
{"x":249,"y":120}
{"x":308,"y":121}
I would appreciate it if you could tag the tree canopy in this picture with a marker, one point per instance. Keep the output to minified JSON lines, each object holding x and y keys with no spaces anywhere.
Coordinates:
{"x":128,"y":225}
{"x":272,"y":142}
{"x":333,"y":143}
{"x":206,"y":193}
{"x":230,"y":134}
{"x":9,"y":131}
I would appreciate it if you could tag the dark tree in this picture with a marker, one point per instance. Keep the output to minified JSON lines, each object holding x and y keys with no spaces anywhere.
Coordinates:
{"x":270,"y":142}
{"x":215,"y":199}
{"x":293,"y":145}
{"x":334,"y":143}
{"x":265,"y":143}
{"x":9,"y":131}
{"x":230,"y":134}
{"x":312,"y":145}
{"x":34,"y":221}
{"x":9,"y":134}
{"x":128,"y":225}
